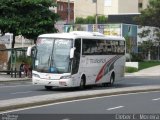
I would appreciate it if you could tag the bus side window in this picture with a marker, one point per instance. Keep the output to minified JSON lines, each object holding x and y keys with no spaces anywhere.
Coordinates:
{"x":77,"y":53}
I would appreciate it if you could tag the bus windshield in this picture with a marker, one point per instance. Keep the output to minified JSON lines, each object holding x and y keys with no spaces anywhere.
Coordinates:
{"x":53,"y":55}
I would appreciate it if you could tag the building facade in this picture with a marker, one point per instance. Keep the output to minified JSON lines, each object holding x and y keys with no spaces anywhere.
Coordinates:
{"x":120,"y":6}
{"x":66,"y":10}
{"x":107,"y":7}
{"x":142,"y":4}
{"x":84,"y":8}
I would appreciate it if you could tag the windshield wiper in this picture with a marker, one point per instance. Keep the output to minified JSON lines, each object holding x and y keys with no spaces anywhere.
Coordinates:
{"x":51,"y":63}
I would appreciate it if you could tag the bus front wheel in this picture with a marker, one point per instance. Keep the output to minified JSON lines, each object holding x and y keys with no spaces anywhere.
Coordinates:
{"x":48,"y":87}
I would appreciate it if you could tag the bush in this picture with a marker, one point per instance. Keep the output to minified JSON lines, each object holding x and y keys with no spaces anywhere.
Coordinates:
{"x":130,"y":69}
{"x":137,"y":57}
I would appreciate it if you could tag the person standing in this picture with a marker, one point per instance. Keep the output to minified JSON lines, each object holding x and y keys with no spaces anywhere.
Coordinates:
{"x":21,"y":69}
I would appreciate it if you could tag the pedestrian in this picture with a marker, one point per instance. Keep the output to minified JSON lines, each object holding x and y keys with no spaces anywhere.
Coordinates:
{"x":26,"y":69}
{"x":21,"y":69}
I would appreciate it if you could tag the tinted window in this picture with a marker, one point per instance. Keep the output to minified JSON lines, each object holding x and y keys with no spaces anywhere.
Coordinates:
{"x":103,"y":47}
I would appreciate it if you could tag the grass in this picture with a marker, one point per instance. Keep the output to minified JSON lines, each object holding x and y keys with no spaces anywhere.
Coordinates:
{"x":130,"y":69}
{"x":147,"y":64}
{"x":142,"y":65}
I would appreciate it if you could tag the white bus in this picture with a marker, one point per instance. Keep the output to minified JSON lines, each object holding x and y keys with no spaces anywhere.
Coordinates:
{"x":77,"y":59}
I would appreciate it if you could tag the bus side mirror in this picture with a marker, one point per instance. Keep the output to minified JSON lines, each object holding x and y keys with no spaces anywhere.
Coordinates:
{"x":29,"y":51}
{"x":72,"y":52}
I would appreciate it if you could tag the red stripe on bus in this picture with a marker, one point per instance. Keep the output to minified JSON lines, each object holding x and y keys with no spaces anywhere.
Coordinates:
{"x":102,"y":70}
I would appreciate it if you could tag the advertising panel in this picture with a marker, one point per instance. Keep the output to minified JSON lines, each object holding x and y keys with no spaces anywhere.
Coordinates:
{"x":130,"y":31}
{"x":112,"y":29}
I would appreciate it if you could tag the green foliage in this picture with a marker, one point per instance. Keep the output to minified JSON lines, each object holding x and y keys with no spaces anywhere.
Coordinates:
{"x":146,"y":46}
{"x":27,"y":17}
{"x":80,"y":20}
{"x":91,"y":20}
{"x":26,"y":59}
{"x":137,"y":57}
{"x":147,"y":64}
{"x":102,"y":19}
{"x":150,"y":16}
{"x":130,"y":69}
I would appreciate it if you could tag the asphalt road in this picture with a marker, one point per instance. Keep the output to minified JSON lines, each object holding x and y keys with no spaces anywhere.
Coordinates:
{"x":26,"y":89}
{"x":131,"y":106}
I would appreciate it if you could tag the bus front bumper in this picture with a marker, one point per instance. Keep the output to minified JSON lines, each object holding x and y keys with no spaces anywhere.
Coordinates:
{"x":54,"y":83}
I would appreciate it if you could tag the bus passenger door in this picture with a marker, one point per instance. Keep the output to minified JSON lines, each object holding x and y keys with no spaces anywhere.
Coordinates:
{"x":76,"y":61}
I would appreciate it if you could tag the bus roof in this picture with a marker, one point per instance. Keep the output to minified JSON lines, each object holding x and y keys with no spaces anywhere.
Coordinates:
{"x":81,"y":34}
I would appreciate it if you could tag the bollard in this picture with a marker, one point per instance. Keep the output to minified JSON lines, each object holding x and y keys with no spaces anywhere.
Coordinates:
{"x":20,"y":74}
{"x":11,"y":72}
{"x":15,"y":72}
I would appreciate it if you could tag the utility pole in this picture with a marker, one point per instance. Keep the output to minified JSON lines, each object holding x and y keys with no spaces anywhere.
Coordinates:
{"x":96,"y":14}
{"x":96,"y":19}
{"x":68,"y":12}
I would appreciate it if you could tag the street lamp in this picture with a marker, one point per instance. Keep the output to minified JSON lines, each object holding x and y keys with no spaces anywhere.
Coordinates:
{"x":96,"y":19}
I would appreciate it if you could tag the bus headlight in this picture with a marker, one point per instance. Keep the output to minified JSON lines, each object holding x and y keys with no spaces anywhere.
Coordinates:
{"x":65,"y":77}
{"x":35,"y":75}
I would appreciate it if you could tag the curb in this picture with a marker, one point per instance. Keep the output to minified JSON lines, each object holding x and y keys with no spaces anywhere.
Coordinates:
{"x":11,"y":104}
{"x":142,"y":74}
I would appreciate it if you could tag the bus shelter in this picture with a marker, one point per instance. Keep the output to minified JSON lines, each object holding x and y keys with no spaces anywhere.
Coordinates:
{"x":10,"y":60}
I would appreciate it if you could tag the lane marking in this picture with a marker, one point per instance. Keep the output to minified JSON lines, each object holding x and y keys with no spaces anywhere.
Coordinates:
{"x":118,"y":107}
{"x":66,"y":119}
{"x":156,"y":99}
{"x":21,"y":92}
{"x":46,"y":105}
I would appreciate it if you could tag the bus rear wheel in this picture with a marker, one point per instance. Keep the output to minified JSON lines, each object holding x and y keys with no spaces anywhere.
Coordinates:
{"x":112,"y":79}
{"x":82,"y":84}
{"x":48,"y":87}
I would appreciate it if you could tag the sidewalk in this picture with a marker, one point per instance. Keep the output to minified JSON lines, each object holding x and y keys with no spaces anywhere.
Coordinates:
{"x":8,"y":78}
{"x":152,"y":71}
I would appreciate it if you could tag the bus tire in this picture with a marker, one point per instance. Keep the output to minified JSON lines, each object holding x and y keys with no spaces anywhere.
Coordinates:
{"x":82,"y":83}
{"x":48,"y":87}
{"x":112,"y":79}
{"x":105,"y":84}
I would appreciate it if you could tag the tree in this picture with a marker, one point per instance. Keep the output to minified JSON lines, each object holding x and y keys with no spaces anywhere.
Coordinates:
{"x":146,"y":48}
{"x":28,"y":18}
{"x":150,"y":17}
